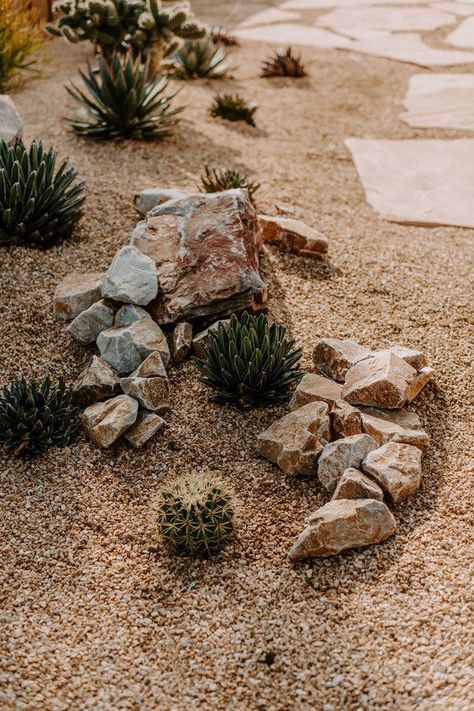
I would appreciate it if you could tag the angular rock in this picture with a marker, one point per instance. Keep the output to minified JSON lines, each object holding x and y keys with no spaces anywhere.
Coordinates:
{"x":104,"y":422}
{"x":75,"y":293}
{"x":202,"y":338}
{"x":313,"y":387}
{"x":152,"y":367}
{"x":397,"y":468}
{"x":151,"y":393}
{"x":145,"y":427}
{"x":413,"y":357}
{"x":128,"y":314}
{"x":89,"y":323}
{"x":341,"y":455}
{"x":292,"y":236}
{"x":11,"y":125}
{"x":97,"y":382}
{"x":182,"y":341}
{"x":394,"y":426}
{"x":354,"y":484}
{"x":347,"y":523}
{"x":146,"y":200}
{"x":379,"y":381}
{"x":205,"y":250}
{"x":125,"y":347}
{"x":421,"y":379}
{"x":334,"y":357}
{"x":345,"y":419}
{"x":295,"y":441}
{"x":131,"y":278}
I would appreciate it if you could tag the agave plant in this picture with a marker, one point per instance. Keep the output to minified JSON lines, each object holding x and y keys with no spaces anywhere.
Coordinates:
{"x":123,"y":101}
{"x":221,"y":36}
{"x":251,"y":363}
{"x":197,"y":59}
{"x":283,"y":64}
{"x":39,"y":205}
{"x":215,"y":181}
{"x":35,"y":417}
{"x":233,"y":108}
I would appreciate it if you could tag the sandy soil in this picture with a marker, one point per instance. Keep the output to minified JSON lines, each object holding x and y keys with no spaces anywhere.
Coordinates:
{"x":95,"y":614}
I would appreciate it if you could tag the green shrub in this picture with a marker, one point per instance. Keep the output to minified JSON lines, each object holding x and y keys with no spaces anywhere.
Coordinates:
{"x":233,"y":108}
{"x":214,"y":181}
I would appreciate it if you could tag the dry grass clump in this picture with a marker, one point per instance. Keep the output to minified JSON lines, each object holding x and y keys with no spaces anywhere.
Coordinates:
{"x":20,"y":38}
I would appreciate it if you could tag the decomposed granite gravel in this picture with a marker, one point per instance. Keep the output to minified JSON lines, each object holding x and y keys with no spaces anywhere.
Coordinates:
{"x":95,"y":614}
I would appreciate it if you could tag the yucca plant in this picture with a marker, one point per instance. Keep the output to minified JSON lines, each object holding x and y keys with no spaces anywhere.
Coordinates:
{"x":198,"y":59}
{"x":39,"y":205}
{"x":195,"y":516}
{"x":251,"y":363}
{"x":20,"y":37}
{"x":283,"y":64}
{"x":214,"y":181}
{"x":219,"y":35}
{"x":123,"y":101}
{"x":35,"y":417}
{"x":233,"y":108}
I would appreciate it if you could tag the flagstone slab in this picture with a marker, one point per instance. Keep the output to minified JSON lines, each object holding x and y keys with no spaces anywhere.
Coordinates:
{"x":409,"y":47}
{"x":416,"y":181}
{"x":385,"y":18}
{"x":456,"y":8}
{"x":289,"y":33}
{"x":440,"y":101}
{"x":463,"y":35}
{"x":269,"y":16}
{"x":321,"y":4}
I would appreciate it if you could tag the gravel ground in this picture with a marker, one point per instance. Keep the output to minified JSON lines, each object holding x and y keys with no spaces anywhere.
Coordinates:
{"x":95,"y":614}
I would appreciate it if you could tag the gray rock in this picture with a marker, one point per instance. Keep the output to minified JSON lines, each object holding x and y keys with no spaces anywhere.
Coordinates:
{"x":146,"y":426}
{"x":128,"y":314}
{"x":125,"y":347}
{"x":334,"y":357}
{"x":104,"y":422}
{"x":146,"y":200}
{"x":341,"y":455}
{"x":354,"y":484}
{"x":89,"y":323}
{"x":202,"y":338}
{"x":397,"y":468}
{"x":97,"y":382}
{"x":313,"y":387}
{"x":131,"y":277}
{"x":75,"y":293}
{"x":182,"y":341}
{"x":11,"y":125}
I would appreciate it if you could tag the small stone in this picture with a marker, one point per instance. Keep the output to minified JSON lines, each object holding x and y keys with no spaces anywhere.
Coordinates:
{"x":202,"y":338}
{"x":97,"y":382}
{"x":345,"y":419}
{"x":335,"y":357}
{"x":341,"y":455}
{"x":145,"y":427}
{"x":379,"y":381}
{"x":75,"y":294}
{"x":413,"y":357}
{"x":342,"y":524}
{"x":313,"y":387}
{"x":354,"y":484}
{"x":104,"y":422}
{"x":182,"y":341}
{"x":125,"y":347}
{"x":128,"y":314}
{"x":421,"y":379}
{"x":295,"y":441}
{"x":152,"y":367}
{"x":397,"y":426}
{"x":146,"y":200}
{"x":151,"y":393}
{"x":292,"y":235}
{"x":11,"y":125}
{"x":131,"y":277}
{"x":89,"y":323}
{"x":397,"y":468}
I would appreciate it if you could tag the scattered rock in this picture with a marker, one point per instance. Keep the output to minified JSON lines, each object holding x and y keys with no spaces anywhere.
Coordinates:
{"x":152,"y":367}
{"x":335,"y":357}
{"x":11,"y":125}
{"x":146,"y":200}
{"x":151,"y":393}
{"x":131,"y":277}
{"x":354,"y":484}
{"x":345,"y":419}
{"x":295,"y":441}
{"x":343,"y":524}
{"x":128,"y":314}
{"x":182,"y":341}
{"x":341,"y":455}
{"x":75,"y":293}
{"x":145,"y":427}
{"x":202,"y":338}
{"x":379,"y":381}
{"x":397,"y":426}
{"x":415,"y":358}
{"x":421,"y":379}
{"x":104,"y":422}
{"x":292,"y":236}
{"x":125,"y":347}
{"x":397,"y":468}
{"x":314,"y":387}
{"x":89,"y":323}
{"x":97,"y":382}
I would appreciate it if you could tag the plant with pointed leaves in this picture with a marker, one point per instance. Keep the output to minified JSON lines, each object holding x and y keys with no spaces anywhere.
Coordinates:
{"x":284,"y":64}
{"x":251,"y":363}
{"x":233,"y":108}
{"x":214,"y":181}
{"x":198,"y":59}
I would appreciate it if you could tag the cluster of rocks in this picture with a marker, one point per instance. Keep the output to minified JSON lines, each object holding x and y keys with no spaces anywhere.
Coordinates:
{"x":348,"y":426}
{"x":11,"y":125}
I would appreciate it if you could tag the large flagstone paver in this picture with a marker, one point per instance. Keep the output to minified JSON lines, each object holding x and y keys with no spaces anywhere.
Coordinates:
{"x":409,"y":47}
{"x":321,"y":4}
{"x":385,"y":18}
{"x":463,"y":35}
{"x":288,"y":33}
{"x":456,"y":8}
{"x":269,"y":16}
{"x":424,"y":182}
{"x":440,"y":101}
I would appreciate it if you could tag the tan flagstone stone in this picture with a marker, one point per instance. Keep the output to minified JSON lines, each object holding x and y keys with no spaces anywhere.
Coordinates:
{"x":456,"y":8}
{"x":269,"y":16}
{"x":463,"y":35}
{"x":408,"y":47}
{"x":290,"y":33}
{"x":440,"y":101}
{"x":385,"y":18}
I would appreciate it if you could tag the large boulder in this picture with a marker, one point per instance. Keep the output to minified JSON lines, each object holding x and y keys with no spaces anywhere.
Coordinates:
{"x":340,"y":455}
{"x":104,"y":422}
{"x":379,"y":381}
{"x":89,"y":323}
{"x":397,"y":468}
{"x":97,"y":382}
{"x":125,"y":347}
{"x":313,"y":387}
{"x":394,"y":426}
{"x":75,"y":293}
{"x":131,"y":278}
{"x":334,"y":357}
{"x":292,"y":236}
{"x":11,"y":125}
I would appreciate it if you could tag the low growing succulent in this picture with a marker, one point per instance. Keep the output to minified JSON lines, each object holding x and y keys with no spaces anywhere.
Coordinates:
{"x":198,"y":59}
{"x":123,"y":101}
{"x":215,"y":181}
{"x":39,"y":205}
{"x":233,"y":108}
{"x":35,"y":417}
{"x":284,"y":64}
{"x":196,"y":516}
{"x":251,"y":363}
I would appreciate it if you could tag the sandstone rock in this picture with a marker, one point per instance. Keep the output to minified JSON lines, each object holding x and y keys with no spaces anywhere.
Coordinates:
{"x":205,"y":251}
{"x":397,"y":468}
{"x":145,"y":427}
{"x":341,"y":455}
{"x":353,"y":484}
{"x":421,"y":379}
{"x":292,"y":236}
{"x":397,"y":426}
{"x":146,"y":200}
{"x":202,"y":338}
{"x":76,"y":293}
{"x":152,"y":367}
{"x":379,"y":381}
{"x":11,"y":125}
{"x":314,"y":387}
{"x":128,"y":314}
{"x":335,"y":357}
{"x":131,"y":277}
{"x":125,"y":347}
{"x":295,"y":441}
{"x":97,"y":382}
{"x":182,"y":341}
{"x":343,"y":524}
{"x":151,"y":393}
{"x":104,"y":422}
{"x":89,"y":323}
{"x":413,"y":357}
{"x":345,"y":419}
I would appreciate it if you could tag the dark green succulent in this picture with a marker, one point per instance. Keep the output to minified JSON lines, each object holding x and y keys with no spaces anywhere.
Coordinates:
{"x":198,"y":59}
{"x":283,"y":64}
{"x":251,"y":363}
{"x":233,"y":108}
{"x":39,"y":205}
{"x":214,"y":181}
{"x":123,"y":101}
{"x":35,"y":417}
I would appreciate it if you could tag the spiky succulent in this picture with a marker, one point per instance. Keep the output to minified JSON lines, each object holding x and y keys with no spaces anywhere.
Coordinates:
{"x":219,"y":35}
{"x":196,"y":516}
{"x":251,"y":362}
{"x":123,"y":101}
{"x":283,"y":64}
{"x":214,"y":181}
{"x":39,"y":205}
{"x":233,"y":108}
{"x":197,"y":59}
{"x":35,"y":417}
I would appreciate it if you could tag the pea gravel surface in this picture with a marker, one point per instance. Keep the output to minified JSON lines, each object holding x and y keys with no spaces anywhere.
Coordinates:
{"x":95,"y":614}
